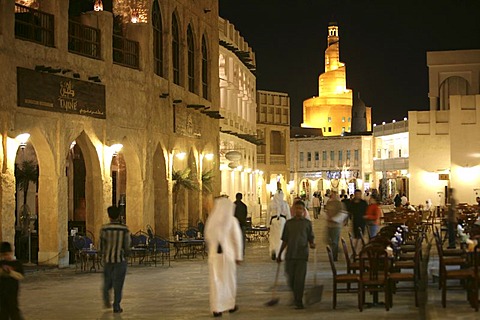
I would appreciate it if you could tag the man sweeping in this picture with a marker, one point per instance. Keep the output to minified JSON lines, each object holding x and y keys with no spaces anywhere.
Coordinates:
{"x":296,"y":238}
{"x":225,"y":250}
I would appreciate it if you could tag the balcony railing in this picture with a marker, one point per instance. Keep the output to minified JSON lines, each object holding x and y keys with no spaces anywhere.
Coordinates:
{"x":260,"y":158}
{"x":83,"y":40}
{"x":34,"y":25}
{"x":278,"y":159}
{"x":125,"y":52}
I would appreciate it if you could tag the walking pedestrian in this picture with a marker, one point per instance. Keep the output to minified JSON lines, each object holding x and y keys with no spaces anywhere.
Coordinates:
{"x":372,"y":217}
{"x":333,"y":210}
{"x":278,"y":213}
{"x":316,"y":205}
{"x":296,"y":238}
{"x":241,"y":213}
{"x":224,"y":242}
{"x":11,"y":272}
{"x":357,"y":210}
{"x":452,"y":219}
{"x":114,"y":248}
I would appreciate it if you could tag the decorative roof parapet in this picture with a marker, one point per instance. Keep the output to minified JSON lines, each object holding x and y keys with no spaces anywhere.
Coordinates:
{"x":231,"y":39}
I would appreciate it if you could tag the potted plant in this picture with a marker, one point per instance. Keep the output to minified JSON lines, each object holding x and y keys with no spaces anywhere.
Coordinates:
{"x":182,"y":180}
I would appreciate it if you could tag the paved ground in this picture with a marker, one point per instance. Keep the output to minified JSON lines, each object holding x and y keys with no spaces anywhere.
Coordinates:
{"x":181,"y":292}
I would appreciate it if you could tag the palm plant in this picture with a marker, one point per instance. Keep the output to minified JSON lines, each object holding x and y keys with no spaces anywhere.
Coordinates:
{"x":182,"y":179}
{"x":207,"y":182}
{"x":24,"y":175}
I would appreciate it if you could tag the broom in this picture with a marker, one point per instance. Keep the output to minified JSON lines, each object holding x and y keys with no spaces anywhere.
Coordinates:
{"x":314,"y":294}
{"x":274,"y":300}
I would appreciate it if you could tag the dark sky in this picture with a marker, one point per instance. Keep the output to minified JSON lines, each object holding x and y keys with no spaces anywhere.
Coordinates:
{"x":382,"y":42}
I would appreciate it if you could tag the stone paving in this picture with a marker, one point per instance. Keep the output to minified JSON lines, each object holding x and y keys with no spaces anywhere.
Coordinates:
{"x":181,"y":292}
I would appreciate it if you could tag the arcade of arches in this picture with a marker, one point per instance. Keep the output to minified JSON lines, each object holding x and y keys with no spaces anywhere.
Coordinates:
{"x":73,"y":187}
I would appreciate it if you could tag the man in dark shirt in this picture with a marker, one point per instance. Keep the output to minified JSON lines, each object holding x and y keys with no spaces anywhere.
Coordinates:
{"x":11,"y":271}
{"x":296,"y":237}
{"x":241,"y":215}
{"x":357,"y":209}
{"x":114,"y":247}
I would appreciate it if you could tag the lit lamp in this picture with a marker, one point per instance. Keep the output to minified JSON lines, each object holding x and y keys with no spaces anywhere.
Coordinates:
{"x":22,"y":140}
{"x":116,"y":148}
{"x":98,"y":6}
{"x":181,"y":155}
{"x":209,"y":156}
{"x":135,"y":18}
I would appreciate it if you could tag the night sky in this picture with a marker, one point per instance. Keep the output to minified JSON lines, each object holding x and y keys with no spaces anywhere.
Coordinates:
{"x":382,"y":42}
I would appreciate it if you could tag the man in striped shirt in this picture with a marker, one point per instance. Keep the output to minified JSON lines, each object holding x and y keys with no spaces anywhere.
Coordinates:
{"x":114,"y":247}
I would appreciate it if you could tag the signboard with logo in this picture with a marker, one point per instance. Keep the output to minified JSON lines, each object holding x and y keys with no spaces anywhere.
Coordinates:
{"x":49,"y":92}
{"x":187,"y":122}
{"x":443,"y":176}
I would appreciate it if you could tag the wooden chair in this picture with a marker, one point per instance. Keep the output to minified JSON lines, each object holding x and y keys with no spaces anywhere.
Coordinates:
{"x":352,"y":266}
{"x":374,"y":267}
{"x":352,"y":245}
{"x":361,"y":235}
{"x":341,"y":278}
{"x":467,"y":275}
{"x":414,"y":277}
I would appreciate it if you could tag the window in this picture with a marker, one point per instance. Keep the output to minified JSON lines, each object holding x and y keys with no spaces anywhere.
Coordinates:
{"x":332,"y":155}
{"x":301,"y":156}
{"x":379,"y":153}
{"x":309,"y":156}
{"x":343,"y":130}
{"x":329,"y":119}
{"x":355,"y":155}
{"x":191,"y":59}
{"x":349,"y":120}
{"x":317,"y":156}
{"x":348,"y":154}
{"x":329,"y":129}
{"x":324,"y":158}
{"x":343,"y":119}
{"x":157,"y":39}
{"x":348,"y":129}
{"x":324,"y":129}
{"x":175,"y":50}
{"x":340,"y":155}
{"x":276,"y":143}
{"x":399,"y":153}
{"x":204,"y":68}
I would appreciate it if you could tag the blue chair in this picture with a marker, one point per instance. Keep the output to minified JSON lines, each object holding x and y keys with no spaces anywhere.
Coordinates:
{"x":159,"y":246}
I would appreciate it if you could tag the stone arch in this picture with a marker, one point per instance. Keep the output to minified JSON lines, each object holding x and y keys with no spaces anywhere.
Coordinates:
{"x":94,"y":195}
{"x":162,"y":217}
{"x":137,"y":219}
{"x":454,"y":85}
{"x":52,"y":203}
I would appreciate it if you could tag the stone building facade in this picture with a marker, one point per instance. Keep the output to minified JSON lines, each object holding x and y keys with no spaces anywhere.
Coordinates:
{"x":237,"y":106}
{"x":273,"y":128}
{"x":341,"y":164}
{"x":83,"y":86}
{"x":444,"y":143}
{"x":390,"y":158}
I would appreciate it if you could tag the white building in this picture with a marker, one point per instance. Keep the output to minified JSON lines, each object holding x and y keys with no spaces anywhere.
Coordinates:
{"x":335,"y":163}
{"x":390,"y":158}
{"x":238,"y":149}
{"x":445,"y":141}
{"x":273,"y":128}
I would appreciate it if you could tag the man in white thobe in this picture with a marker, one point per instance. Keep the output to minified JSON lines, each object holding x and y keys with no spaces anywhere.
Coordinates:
{"x":224,"y":242}
{"x":278,"y":212}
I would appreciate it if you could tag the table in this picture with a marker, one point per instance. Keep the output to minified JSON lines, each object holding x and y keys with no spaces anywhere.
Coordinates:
{"x":257,"y":233}
{"x":189,"y":247}
{"x":89,"y":254}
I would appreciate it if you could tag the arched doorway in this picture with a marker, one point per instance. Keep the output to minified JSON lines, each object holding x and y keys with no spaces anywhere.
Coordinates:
{"x":85,"y":191}
{"x":161,"y":208}
{"x":454,"y":85}
{"x":118,"y":172}
{"x":26,"y":203}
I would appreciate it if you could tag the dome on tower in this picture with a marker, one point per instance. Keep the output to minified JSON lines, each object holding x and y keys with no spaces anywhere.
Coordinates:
{"x":359,"y":115}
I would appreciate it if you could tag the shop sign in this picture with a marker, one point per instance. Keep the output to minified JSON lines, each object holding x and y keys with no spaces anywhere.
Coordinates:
{"x":49,"y":92}
{"x":443,"y":176}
